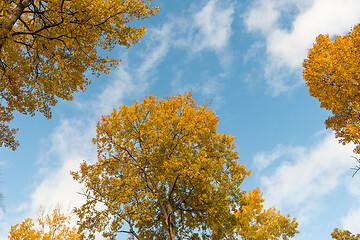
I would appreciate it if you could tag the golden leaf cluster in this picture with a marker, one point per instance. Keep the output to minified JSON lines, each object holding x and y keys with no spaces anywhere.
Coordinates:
{"x":332,"y":73}
{"x":46,"y":47}
{"x":344,"y":235}
{"x":54,"y":226}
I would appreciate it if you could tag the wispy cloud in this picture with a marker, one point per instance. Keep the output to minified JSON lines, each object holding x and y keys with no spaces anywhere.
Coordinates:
{"x":213,"y":22}
{"x":70,"y":144}
{"x":204,"y":28}
{"x":351,"y":221}
{"x":210,"y":88}
{"x":306,"y":175}
{"x":264,"y":159}
{"x":67,"y":146}
{"x":133,"y":80}
{"x":287,"y":45}
{"x":207,"y":29}
{"x":158,"y":44}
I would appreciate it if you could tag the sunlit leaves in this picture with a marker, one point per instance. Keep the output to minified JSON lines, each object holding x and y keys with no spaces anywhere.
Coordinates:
{"x":164,"y":172}
{"x":257,"y":223}
{"x":339,"y":234}
{"x":332,"y":73}
{"x":54,"y":226}
{"x":46,"y":46}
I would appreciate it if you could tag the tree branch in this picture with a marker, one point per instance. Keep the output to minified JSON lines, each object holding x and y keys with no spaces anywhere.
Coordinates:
{"x":11,"y":18}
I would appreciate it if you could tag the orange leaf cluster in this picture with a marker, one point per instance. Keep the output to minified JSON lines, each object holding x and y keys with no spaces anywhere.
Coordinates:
{"x":332,"y":73}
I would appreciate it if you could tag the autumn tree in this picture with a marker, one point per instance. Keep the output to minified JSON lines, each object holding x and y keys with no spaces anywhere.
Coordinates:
{"x":164,"y":172}
{"x":54,"y":226}
{"x":332,"y":74}
{"x":46,"y":47}
{"x":344,"y":235}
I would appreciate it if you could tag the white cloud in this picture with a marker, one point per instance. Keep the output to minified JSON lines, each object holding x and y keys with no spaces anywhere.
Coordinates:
{"x":123,"y":84}
{"x":70,"y":145}
{"x":353,"y":184}
{"x":214,"y":24}
{"x":324,"y":17}
{"x":264,"y":159}
{"x":158,"y":44}
{"x":208,"y":29}
{"x":135,"y":79}
{"x":307,"y":176}
{"x":351,"y":221}
{"x":262,"y":17}
{"x":287,"y":46}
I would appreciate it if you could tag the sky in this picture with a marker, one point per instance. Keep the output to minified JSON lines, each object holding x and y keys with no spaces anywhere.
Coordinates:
{"x":243,"y":57}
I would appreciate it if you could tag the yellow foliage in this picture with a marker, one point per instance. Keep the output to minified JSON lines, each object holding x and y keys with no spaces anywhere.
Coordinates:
{"x":164,"y":172}
{"x":332,"y":73}
{"x":53,"y":226}
{"x":344,"y":235}
{"x":255,"y":223}
{"x":46,"y":46}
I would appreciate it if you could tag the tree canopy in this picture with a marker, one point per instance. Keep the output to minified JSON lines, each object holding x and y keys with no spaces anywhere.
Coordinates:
{"x":54,"y":226}
{"x":332,"y":74}
{"x":46,"y":47}
{"x":164,"y":172}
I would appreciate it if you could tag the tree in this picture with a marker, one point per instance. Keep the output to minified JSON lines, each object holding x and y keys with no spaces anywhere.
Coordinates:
{"x":53,"y":226}
{"x":344,"y":235}
{"x":332,"y":73}
{"x":164,"y":172}
{"x":46,"y":47}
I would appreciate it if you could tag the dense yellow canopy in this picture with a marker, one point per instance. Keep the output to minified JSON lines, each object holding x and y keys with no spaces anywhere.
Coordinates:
{"x":332,"y":73}
{"x":46,"y":46}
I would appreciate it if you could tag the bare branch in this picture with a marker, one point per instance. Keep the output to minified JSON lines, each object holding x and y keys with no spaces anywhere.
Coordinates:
{"x":357,"y":167}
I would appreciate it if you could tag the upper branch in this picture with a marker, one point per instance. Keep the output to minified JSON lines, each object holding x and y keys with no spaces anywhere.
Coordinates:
{"x":8,"y":22}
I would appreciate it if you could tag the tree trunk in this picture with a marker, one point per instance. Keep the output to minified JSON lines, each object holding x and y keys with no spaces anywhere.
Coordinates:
{"x":171,"y":226}
{"x":8,"y":21}
{"x":169,"y":218}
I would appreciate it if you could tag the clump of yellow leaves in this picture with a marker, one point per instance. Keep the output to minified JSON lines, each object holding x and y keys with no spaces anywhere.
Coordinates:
{"x":332,"y":73}
{"x":46,"y":47}
{"x":344,"y":235}
{"x":263,"y":224}
{"x":55,"y":226}
{"x":164,"y":172}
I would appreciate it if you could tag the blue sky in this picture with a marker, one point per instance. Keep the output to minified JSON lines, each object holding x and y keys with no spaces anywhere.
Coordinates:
{"x":244,"y":57}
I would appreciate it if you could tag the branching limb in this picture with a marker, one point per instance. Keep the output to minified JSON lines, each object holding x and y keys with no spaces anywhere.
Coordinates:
{"x":357,"y":167}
